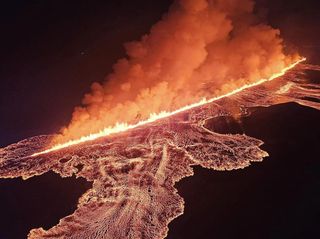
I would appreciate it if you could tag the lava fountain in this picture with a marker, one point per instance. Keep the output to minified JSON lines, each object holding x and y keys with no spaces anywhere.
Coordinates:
{"x":198,"y":50}
{"x":121,"y":127}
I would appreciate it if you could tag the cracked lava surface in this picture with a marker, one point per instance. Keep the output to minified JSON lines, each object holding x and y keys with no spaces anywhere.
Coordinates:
{"x":134,"y":172}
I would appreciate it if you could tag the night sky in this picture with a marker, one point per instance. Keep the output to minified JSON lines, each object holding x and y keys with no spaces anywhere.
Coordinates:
{"x":51,"y":52}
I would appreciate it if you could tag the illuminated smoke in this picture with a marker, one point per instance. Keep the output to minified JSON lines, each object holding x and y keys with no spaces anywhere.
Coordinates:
{"x":201,"y":48}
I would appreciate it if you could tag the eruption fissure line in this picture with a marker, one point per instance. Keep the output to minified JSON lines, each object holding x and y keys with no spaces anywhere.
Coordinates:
{"x":121,"y":127}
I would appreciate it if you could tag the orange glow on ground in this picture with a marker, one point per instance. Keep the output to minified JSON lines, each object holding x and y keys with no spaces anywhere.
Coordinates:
{"x":121,"y":127}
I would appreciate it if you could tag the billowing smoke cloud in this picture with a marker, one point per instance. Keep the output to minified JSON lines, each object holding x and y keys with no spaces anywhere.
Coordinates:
{"x":201,"y":48}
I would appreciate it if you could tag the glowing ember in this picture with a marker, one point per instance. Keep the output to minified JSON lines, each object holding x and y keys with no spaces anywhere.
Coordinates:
{"x":121,"y":127}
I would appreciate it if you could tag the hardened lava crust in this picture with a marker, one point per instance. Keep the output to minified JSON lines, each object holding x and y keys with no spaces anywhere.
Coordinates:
{"x":134,"y":173}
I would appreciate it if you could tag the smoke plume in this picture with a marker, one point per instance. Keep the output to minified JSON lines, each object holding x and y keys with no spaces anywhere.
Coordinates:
{"x":200,"y":48}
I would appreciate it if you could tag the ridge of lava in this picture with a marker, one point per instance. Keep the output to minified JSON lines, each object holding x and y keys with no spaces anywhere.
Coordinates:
{"x":122,"y":127}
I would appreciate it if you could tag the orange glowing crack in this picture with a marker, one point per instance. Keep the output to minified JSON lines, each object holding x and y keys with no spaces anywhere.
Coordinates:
{"x":121,"y":127}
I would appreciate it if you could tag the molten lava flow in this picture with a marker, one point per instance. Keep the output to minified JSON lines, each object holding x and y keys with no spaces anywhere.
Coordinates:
{"x":121,"y":127}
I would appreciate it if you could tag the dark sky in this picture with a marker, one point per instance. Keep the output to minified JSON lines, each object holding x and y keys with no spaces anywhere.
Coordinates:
{"x":51,"y":51}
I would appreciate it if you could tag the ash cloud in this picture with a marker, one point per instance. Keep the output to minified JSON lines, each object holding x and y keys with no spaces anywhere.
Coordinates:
{"x":200,"y":48}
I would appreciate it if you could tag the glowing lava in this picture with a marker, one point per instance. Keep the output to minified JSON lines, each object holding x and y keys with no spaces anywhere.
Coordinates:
{"x":121,"y":127}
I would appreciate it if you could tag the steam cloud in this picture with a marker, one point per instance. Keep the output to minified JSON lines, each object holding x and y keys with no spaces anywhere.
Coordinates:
{"x":201,"y":48}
